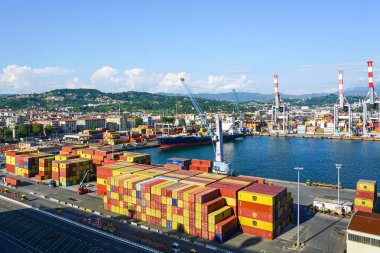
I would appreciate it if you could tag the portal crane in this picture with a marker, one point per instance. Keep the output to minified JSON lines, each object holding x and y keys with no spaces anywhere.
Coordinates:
{"x":342,"y":109}
{"x":82,"y":188}
{"x":241,"y":114}
{"x":201,"y":114}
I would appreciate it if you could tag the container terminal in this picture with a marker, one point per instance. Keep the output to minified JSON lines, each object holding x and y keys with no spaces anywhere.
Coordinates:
{"x":187,"y":204}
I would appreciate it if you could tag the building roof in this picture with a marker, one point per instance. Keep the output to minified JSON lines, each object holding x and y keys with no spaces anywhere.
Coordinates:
{"x":92,"y":119}
{"x":365,"y":222}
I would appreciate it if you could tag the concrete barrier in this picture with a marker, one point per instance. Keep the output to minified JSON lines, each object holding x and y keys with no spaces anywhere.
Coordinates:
{"x":43,"y":196}
{"x":154,"y":230}
{"x":88,"y":210}
{"x":82,"y":208}
{"x":75,"y":206}
{"x":144,"y":227}
{"x":134,"y":224}
{"x":54,"y":200}
{"x":97,"y":213}
{"x":33,"y":193}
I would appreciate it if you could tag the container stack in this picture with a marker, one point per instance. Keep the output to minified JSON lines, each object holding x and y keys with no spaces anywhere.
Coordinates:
{"x":136,"y":157}
{"x":229,"y":188}
{"x":28,"y":165}
{"x":177,"y":163}
{"x":111,"y":138}
{"x":201,"y":165}
{"x":65,"y":157}
{"x":264,"y":210}
{"x":203,"y":179}
{"x":192,"y":209}
{"x":72,"y":149}
{"x":310,"y":130}
{"x":366,"y":196}
{"x":45,"y":168}
{"x":71,"y":172}
{"x":10,"y":158}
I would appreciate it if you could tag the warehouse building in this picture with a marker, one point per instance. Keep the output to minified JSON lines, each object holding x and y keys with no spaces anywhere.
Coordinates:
{"x":363,"y":233}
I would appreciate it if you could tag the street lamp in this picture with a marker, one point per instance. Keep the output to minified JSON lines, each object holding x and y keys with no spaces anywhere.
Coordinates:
{"x":338,"y":167}
{"x":298,"y":169}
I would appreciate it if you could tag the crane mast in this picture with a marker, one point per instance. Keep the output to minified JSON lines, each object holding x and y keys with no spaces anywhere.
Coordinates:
{"x":241,"y":115}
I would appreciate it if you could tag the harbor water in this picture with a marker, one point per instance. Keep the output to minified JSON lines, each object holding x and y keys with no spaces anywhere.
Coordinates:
{"x":275,"y":157}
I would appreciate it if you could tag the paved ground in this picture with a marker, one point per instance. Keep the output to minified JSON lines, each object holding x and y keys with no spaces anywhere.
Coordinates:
{"x":314,"y":227}
{"x":46,"y":234}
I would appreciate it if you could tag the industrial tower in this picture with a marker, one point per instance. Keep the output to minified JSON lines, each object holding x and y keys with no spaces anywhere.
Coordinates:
{"x":280,"y":114}
{"x":342,"y":109}
{"x":371,"y":103}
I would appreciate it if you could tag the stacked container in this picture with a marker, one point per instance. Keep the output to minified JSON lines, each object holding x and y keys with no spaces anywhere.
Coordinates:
{"x":264,"y":210}
{"x":177,"y":163}
{"x":136,"y":157}
{"x":71,"y":172}
{"x":163,"y":201}
{"x":28,"y":165}
{"x":10,"y":158}
{"x":201,"y":165}
{"x":366,"y":196}
{"x":45,"y":168}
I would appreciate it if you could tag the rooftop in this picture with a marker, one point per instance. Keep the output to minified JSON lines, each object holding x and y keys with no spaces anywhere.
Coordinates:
{"x":365,"y":222}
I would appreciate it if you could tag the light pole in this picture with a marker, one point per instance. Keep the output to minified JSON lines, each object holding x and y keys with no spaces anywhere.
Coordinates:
{"x":338,"y":167}
{"x":298,"y":169}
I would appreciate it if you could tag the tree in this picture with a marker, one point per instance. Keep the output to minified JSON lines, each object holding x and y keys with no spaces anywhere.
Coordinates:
{"x":48,"y":130}
{"x":37,"y":129}
{"x":167,"y":119}
{"x":22,"y":131}
{"x":8,"y":133}
{"x":138,"y":121}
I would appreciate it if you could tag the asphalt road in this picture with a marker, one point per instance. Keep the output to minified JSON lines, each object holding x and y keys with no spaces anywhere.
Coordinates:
{"x":25,"y":230}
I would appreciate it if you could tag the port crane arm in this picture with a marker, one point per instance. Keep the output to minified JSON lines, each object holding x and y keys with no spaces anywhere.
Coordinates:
{"x":85,"y":175}
{"x":195,"y":104}
{"x":241,"y":115}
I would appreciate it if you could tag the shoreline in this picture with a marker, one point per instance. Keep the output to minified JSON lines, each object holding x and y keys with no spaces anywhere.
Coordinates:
{"x":316,"y":136}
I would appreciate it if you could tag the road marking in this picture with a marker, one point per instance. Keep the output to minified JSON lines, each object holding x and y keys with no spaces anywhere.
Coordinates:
{"x":23,"y":245}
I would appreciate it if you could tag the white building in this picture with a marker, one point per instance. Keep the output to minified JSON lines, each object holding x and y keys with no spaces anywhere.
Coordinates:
{"x":68,"y":125}
{"x":90,"y":123}
{"x":363,"y":233}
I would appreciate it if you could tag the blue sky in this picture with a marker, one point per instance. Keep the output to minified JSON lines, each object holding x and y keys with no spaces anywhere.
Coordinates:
{"x":217,"y":45}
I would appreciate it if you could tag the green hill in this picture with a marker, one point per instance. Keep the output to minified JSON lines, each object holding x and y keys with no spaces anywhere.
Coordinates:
{"x":94,"y":100}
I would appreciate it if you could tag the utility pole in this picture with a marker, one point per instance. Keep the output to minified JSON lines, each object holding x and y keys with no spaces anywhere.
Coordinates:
{"x":338,"y":167}
{"x":298,"y":169}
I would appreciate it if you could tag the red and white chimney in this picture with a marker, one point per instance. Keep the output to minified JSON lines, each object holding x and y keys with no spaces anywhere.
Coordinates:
{"x":341,"y":96}
{"x":370,"y":82}
{"x":276,"y":95}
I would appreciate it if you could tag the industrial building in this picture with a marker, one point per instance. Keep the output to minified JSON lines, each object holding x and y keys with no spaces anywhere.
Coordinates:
{"x":363,"y":233}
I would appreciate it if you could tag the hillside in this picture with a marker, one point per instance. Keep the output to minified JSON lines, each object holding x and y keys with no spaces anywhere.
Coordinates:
{"x":95,"y":100}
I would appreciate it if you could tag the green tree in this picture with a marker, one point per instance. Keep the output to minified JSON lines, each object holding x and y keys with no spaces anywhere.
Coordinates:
{"x":22,"y":131}
{"x":138,"y":121}
{"x":167,"y":119}
{"x":37,"y":129}
{"x":8,"y":133}
{"x":48,"y":130}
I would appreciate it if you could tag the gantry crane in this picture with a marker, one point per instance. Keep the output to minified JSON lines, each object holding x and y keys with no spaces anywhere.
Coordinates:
{"x":342,"y":110}
{"x":238,"y":110}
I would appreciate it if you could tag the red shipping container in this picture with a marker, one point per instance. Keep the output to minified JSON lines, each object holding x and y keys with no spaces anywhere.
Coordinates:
{"x":199,"y":168}
{"x":365,"y":195}
{"x":213,"y":205}
{"x":250,"y":213}
{"x":192,"y":195}
{"x":258,"y":232}
{"x":198,"y":162}
{"x":255,"y":206}
{"x":10,"y":168}
{"x":227,"y":225}
{"x":12,"y":181}
{"x":364,"y":209}
{"x":211,"y":236}
{"x":204,"y":234}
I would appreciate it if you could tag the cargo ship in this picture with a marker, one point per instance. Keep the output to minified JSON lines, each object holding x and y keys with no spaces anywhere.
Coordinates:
{"x":193,"y":140}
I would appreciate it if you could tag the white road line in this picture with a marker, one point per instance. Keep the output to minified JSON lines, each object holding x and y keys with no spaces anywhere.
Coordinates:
{"x":23,"y":245}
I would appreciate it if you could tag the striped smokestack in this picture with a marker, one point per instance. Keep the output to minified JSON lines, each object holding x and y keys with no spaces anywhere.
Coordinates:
{"x":276,"y":95}
{"x":341,"y":97}
{"x":370,"y":82}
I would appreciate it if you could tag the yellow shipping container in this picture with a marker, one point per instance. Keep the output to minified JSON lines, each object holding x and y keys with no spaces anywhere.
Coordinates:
{"x":219,"y":215}
{"x":175,"y":191}
{"x":230,"y":201}
{"x":101,"y":181}
{"x":198,"y":224}
{"x":114,"y":195}
{"x":268,"y":226}
{"x":163,"y":223}
{"x":364,"y":202}
{"x":186,"y":193}
{"x":180,"y":203}
{"x":186,"y":220}
{"x":366,"y":185}
{"x":186,"y":229}
{"x":143,"y":217}
{"x":169,"y":216}
{"x":255,"y":197}
{"x":180,"y":219}
{"x":211,"y":228}
{"x":105,"y":200}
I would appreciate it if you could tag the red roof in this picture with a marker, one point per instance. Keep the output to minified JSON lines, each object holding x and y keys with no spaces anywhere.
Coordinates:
{"x":365,"y":222}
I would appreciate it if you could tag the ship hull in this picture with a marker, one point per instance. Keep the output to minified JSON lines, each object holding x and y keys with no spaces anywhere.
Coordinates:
{"x":188,"y":141}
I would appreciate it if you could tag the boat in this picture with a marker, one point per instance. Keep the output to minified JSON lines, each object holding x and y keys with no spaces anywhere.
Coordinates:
{"x":173,"y":141}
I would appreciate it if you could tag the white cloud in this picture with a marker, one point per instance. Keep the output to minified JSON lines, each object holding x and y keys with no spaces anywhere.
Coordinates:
{"x":25,"y":79}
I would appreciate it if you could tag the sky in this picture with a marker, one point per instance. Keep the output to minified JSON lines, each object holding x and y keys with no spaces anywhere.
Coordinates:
{"x":217,"y":45}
